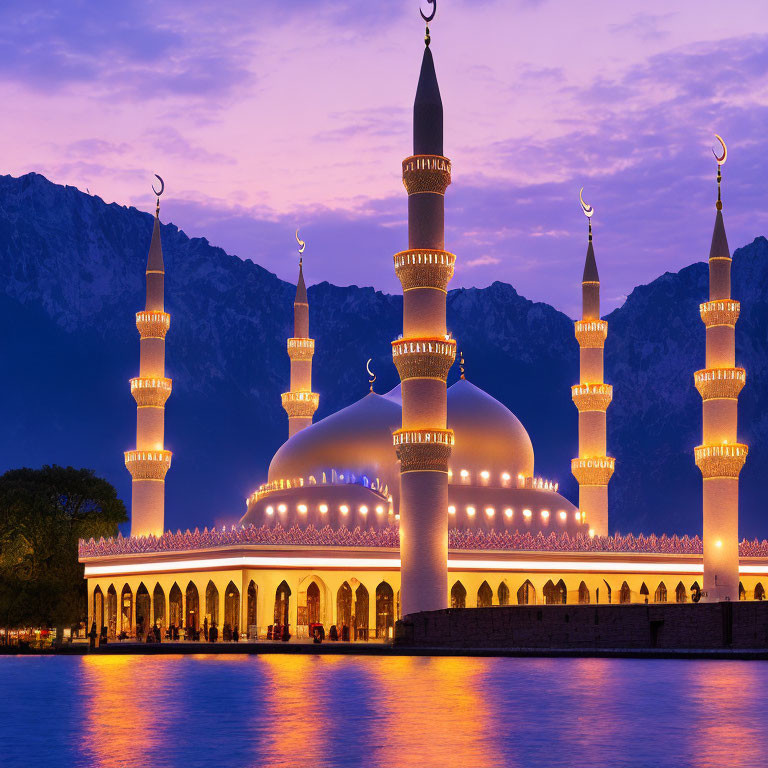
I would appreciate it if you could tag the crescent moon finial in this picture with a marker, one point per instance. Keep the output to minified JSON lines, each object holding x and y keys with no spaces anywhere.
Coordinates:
{"x":589,"y":211}
{"x":162,"y":186}
{"x":370,"y":373}
{"x":431,"y":16}
{"x":302,"y":244}
{"x":721,"y":160}
{"x":720,"y":163}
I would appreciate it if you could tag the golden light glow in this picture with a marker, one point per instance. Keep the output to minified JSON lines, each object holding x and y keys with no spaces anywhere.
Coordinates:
{"x":344,"y":509}
{"x":323,"y":509}
{"x":379,"y":509}
{"x":302,"y":508}
{"x":270,"y":510}
{"x":724,"y":460}
{"x":545,"y":514}
{"x":363,"y":509}
{"x":485,"y":474}
{"x":527,"y":513}
{"x":591,"y":334}
{"x":490,"y":511}
{"x":451,"y":510}
{"x":718,"y":543}
{"x":471,"y":511}
{"x":563,"y":515}
{"x":591,"y":533}
{"x":282,"y":508}
{"x":715,"y":383}
{"x":508,"y":512}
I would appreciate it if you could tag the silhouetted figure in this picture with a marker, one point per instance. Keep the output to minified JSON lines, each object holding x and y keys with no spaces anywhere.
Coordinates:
{"x":334,"y":633}
{"x":235,"y":634}
{"x":104,"y":636}
{"x":345,"y":633}
{"x":205,"y":628}
{"x":92,"y":635}
{"x":213,"y":633}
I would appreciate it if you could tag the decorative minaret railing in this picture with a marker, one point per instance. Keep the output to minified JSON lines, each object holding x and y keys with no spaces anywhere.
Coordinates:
{"x":721,"y":456}
{"x":592,"y":396}
{"x":149,"y":463}
{"x":301,"y":402}
{"x":423,"y":357}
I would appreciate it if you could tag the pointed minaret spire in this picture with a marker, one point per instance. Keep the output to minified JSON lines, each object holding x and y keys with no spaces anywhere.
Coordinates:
{"x":301,"y":402}
{"x":592,"y":396}
{"x":150,"y":461}
{"x":720,"y":457}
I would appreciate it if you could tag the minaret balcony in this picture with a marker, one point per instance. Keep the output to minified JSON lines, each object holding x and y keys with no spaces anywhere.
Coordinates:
{"x":148,"y":465}
{"x":424,"y":269}
{"x":423,"y":450}
{"x":720,"y":383}
{"x":300,"y":404}
{"x":301,"y":349}
{"x":426,"y":173}
{"x":591,"y":334}
{"x":720,"y":312}
{"x":592,"y":397}
{"x":596,"y":470}
{"x":725,"y":460}
{"x":150,"y":391}
{"x":153,"y":325}
{"x":424,"y":358}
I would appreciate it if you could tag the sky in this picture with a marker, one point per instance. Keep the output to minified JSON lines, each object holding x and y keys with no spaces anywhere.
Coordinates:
{"x":270,"y":115}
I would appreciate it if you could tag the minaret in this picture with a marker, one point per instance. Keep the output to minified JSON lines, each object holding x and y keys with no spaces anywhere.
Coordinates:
{"x":150,"y":461}
{"x":301,"y":402}
{"x":423,"y":357}
{"x":592,"y":396}
{"x":720,"y":457}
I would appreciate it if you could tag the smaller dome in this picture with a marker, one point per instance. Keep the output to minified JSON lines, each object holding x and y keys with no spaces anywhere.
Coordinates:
{"x":488,"y":436}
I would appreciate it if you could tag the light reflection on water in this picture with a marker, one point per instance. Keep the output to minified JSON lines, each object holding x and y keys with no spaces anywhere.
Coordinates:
{"x":285,"y":711}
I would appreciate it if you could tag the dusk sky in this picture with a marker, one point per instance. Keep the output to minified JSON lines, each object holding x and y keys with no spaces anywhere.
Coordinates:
{"x":264,"y":116}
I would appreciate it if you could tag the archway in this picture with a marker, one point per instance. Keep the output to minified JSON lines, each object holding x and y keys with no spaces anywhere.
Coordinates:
{"x":625,"y":595}
{"x":232,"y":606}
{"x":759,"y":591}
{"x":583,"y":594}
{"x":344,"y":606}
{"x":503,"y":593}
{"x":253,"y":593}
{"x":660,"y":595}
{"x":112,"y":610}
{"x":143,"y":607}
{"x":644,"y":593}
{"x":98,"y":608}
{"x":385,"y":610}
{"x":193,"y":607}
{"x":175,"y":607}
{"x":526,"y":595}
{"x":212,"y":604}
{"x":126,"y":610}
{"x":158,"y":606}
{"x":360,"y":618}
{"x":484,"y":596}
{"x":742,"y":592}
{"x":555,"y":594}
{"x":458,"y":596}
{"x":680,"y":594}
{"x":282,"y":605}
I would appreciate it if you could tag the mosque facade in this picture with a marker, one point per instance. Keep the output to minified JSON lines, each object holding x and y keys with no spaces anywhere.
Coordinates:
{"x":424,"y":497}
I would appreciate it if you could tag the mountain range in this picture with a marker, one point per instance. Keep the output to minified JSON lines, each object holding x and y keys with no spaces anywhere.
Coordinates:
{"x":72,"y":278}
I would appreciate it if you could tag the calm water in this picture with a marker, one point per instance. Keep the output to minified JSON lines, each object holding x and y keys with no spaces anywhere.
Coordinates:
{"x":235,"y":711}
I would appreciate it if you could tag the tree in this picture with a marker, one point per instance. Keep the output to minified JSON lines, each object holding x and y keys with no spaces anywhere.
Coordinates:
{"x":43,"y":513}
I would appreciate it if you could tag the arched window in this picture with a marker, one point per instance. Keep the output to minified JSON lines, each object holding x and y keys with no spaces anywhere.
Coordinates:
{"x":503,"y":593}
{"x":526,"y":595}
{"x":562,"y":591}
{"x":112,"y":610}
{"x":660,"y":595}
{"x":212,"y":604}
{"x":253,"y":592}
{"x":313,"y":603}
{"x":282,"y":604}
{"x":192,"y":619}
{"x":385,"y":610}
{"x":555,"y":594}
{"x":583,"y":594}
{"x":742,"y":592}
{"x":142,"y":611}
{"x":681,"y":595}
{"x":759,"y":591}
{"x":98,"y":609}
{"x":158,"y":607}
{"x":344,"y":606}
{"x":126,"y":610}
{"x":360,"y":619}
{"x":175,"y":606}
{"x":644,"y":592}
{"x":484,"y":596}
{"x":625,"y":595}
{"x":458,"y":596}
{"x":232,"y":607}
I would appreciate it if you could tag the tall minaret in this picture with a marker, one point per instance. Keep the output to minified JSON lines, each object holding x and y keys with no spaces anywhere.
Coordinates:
{"x":720,"y":457}
{"x":593,"y":468}
{"x":301,"y":402}
{"x":423,"y":357}
{"x":150,"y":461}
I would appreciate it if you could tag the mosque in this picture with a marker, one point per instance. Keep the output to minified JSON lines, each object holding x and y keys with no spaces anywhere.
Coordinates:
{"x":424,"y":497}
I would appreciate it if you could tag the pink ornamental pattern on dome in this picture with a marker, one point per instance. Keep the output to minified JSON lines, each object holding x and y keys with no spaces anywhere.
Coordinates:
{"x":458,"y":539}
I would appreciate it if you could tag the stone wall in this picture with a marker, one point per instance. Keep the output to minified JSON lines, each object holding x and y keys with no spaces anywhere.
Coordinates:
{"x":673,"y":626}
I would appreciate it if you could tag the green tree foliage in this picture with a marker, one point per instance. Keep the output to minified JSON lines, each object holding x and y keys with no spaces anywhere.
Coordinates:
{"x":43,"y":513}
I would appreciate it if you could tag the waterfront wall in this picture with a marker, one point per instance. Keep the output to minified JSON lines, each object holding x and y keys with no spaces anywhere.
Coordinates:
{"x":740,"y":625}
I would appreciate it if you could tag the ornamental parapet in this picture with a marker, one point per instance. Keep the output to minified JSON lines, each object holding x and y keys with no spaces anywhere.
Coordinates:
{"x":424,"y":358}
{"x":592,"y":397}
{"x":724,"y":460}
{"x":591,"y":334}
{"x":301,"y":349}
{"x":148,"y":465}
{"x":150,"y":391}
{"x":596,"y":470}
{"x":153,"y":325}
{"x":424,"y":269}
{"x":720,"y":383}
{"x":422,"y":450}
{"x":426,"y":173}
{"x":720,"y":312}
{"x":300,"y":404}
